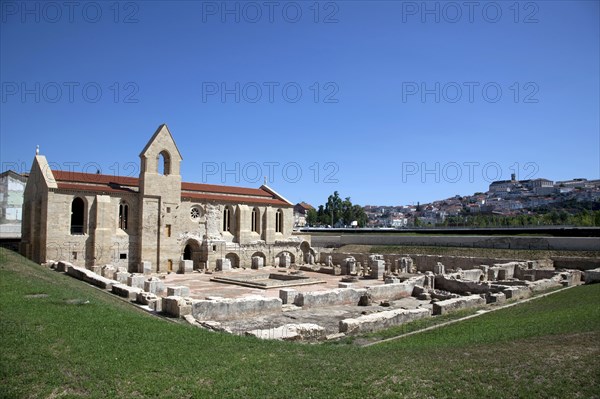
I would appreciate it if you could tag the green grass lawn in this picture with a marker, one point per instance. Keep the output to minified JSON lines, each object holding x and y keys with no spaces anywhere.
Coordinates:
{"x":76,"y":341}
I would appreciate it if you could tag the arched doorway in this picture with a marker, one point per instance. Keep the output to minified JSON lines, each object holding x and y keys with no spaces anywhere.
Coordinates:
{"x":234,"y":259}
{"x":259,"y":255}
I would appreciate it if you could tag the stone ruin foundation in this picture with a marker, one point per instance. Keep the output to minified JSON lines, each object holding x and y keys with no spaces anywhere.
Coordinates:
{"x":344,"y":294}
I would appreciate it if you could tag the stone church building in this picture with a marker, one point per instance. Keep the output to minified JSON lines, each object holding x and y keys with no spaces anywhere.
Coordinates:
{"x":156,"y":220}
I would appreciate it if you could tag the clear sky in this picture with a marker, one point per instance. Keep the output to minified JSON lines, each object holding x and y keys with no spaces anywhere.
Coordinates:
{"x":386,"y":102}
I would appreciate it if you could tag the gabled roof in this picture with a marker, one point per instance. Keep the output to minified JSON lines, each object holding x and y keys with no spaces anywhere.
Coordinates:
{"x":160,"y":128}
{"x":118,"y":184}
{"x":305,"y":205}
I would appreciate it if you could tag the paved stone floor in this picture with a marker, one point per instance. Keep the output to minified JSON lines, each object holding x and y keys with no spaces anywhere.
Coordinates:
{"x":327,"y":317}
{"x":201,"y":286}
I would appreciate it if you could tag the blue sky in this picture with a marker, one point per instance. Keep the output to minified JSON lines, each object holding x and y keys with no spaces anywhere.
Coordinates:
{"x":386,"y":102}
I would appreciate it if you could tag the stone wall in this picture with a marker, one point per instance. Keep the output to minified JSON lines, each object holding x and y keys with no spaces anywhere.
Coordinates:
{"x":450,"y":305}
{"x":228,"y":309}
{"x":380,"y":320}
{"x":501,"y":242}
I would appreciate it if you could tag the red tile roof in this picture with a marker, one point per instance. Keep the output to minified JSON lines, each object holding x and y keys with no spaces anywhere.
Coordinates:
{"x":118,"y":184}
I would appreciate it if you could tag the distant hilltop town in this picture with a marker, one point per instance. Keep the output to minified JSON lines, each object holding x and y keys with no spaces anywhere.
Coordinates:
{"x":522,"y":201}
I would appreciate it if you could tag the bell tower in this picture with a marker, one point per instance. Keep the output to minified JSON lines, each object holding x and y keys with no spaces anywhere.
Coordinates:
{"x":160,"y":196}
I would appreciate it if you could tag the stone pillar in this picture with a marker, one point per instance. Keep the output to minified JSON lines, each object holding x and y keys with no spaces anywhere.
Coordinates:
{"x":377,"y":266}
{"x":258,"y":262}
{"x":186,"y":266}
{"x":223,"y":265}
{"x":145,"y":267}
{"x":103,"y":232}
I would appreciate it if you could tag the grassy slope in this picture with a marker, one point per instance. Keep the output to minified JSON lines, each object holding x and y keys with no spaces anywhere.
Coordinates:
{"x":53,"y":346}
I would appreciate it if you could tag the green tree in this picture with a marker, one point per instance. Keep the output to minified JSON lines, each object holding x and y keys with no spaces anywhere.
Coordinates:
{"x":312,"y":217}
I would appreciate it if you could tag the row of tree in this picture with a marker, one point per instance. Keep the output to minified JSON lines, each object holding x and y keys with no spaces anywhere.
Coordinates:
{"x":337,"y":213}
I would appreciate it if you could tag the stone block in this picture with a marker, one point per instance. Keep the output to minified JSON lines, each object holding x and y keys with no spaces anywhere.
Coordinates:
{"x":108,"y":271}
{"x":223,"y":265}
{"x":380,"y":320}
{"x":186,"y":266}
{"x":290,"y":332}
{"x":592,"y":276}
{"x":97,"y":270}
{"x":473,"y":275}
{"x":258,"y":262}
{"x":345,"y":285}
{"x":391,"y":292}
{"x":99,"y":281}
{"x":136,"y":280}
{"x":145,"y":267}
{"x":77,"y":272}
{"x":126,"y":291}
{"x":285,"y":260}
{"x":517,"y":292}
{"x":544,"y":285}
{"x":438,"y":268}
{"x":377,"y":268}
{"x":287,"y":295}
{"x":337,"y":296}
{"x":495,"y":297}
{"x":121,"y":277}
{"x":176,"y":306}
{"x":231,"y":309}
{"x":450,"y":305}
{"x":63,"y":266}
{"x":144,"y":298}
{"x":348,"y":266}
{"x":155,"y":285}
{"x":180,"y":290}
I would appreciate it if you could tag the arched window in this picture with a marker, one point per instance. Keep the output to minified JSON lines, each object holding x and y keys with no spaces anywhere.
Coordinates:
{"x":227,"y":219}
{"x":164,"y":163}
{"x":254,"y":220}
{"x":123,"y":215}
{"x":77,"y":215}
{"x":279,"y":221}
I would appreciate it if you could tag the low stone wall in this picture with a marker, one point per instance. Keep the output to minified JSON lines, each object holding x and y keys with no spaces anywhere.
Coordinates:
{"x":390,"y":292}
{"x":447,"y":283}
{"x":228,"y":309}
{"x":450,"y":305}
{"x":578,"y":263}
{"x":126,"y":291}
{"x":427,"y":263}
{"x":517,"y":292}
{"x":335,"y":297}
{"x":380,"y":320}
{"x":90,"y":277}
{"x":592,"y":276}
{"x":290,"y":332}
{"x":544,"y":284}
{"x":177,"y":306}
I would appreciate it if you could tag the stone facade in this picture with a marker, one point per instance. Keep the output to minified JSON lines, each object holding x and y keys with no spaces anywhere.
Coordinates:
{"x":155,"y":220}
